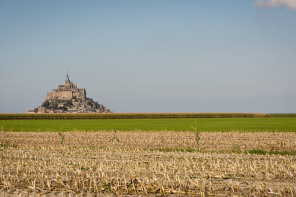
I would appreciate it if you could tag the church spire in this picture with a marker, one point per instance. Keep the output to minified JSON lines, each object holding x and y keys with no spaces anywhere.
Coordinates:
{"x":67,"y":79}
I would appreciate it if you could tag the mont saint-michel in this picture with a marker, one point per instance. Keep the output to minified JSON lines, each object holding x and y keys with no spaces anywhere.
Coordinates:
{"x":69,"y":99}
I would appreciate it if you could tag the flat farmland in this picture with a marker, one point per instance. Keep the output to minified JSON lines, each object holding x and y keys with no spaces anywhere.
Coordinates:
{"x":250,"y":156}
{"x":138,"y":163}
{"x":173,"y":124}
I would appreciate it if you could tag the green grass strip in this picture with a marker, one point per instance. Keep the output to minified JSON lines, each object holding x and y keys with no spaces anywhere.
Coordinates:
{"x":265,"y":152}
{"x":186,"y":124}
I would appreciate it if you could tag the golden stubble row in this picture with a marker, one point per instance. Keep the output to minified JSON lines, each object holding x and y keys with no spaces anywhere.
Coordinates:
{"x":209,"y":141}
{"x":131,"y":171}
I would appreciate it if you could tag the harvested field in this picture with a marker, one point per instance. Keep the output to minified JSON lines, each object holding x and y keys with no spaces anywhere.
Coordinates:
{"x":146,"y":163}
{"x":209,"y":141}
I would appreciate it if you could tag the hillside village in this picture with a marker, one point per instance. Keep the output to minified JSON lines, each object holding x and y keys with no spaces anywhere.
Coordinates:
{"x":69,"y":99}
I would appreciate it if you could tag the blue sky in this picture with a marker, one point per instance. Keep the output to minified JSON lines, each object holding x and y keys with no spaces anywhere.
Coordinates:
{"x":151,"y":56}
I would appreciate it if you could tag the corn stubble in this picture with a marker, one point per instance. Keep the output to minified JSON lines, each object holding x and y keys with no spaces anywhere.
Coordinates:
{"x":137,"y":164}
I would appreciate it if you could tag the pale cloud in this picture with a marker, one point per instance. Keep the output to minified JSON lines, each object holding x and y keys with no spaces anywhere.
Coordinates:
{"x":275,"y":3}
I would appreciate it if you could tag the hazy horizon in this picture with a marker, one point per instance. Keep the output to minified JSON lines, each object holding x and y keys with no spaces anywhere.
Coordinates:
{"x":151,"y":56}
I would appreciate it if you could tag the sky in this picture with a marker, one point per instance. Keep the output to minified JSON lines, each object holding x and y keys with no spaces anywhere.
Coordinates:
{"x":151,"y":55}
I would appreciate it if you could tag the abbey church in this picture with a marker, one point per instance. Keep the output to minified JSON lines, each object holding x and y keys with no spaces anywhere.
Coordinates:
{"x":69,"y":99}
{"x":66,"y":92}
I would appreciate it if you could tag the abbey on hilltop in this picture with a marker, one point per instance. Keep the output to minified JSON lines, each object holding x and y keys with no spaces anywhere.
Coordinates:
{"x":69,"y":99}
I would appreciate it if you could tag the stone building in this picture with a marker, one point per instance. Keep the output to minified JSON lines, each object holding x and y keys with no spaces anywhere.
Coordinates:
{"x":66,"y":92}
{"x":69,"y":99}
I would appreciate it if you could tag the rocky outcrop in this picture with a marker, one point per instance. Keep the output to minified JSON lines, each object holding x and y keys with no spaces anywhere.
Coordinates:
{"x":71,"y":106}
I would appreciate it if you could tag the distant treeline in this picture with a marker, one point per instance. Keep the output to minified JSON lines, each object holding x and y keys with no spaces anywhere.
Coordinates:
{"x":139,"y":116}
{"x":282,"y":115}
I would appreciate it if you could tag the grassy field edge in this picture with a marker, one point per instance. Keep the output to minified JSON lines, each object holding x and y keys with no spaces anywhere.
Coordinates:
{"x":23,"y":116}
